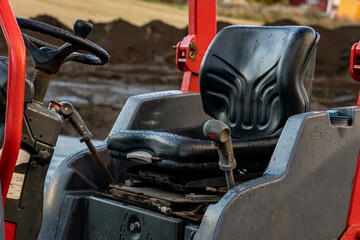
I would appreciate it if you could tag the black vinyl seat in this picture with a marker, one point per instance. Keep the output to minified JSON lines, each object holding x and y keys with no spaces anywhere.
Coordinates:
{"x":251,"y":78}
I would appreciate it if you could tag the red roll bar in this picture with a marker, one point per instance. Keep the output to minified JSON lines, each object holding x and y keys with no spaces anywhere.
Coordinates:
{"x":15,"y":95}
{"x":190,"y":51}
{"x":352,"y":230}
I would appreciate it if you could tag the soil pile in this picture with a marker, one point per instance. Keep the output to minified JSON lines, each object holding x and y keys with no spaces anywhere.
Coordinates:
{"x":126,"y":43}
{"x":153,"y":42}
{"x":143,"y":60}
{"x":333,"y":53}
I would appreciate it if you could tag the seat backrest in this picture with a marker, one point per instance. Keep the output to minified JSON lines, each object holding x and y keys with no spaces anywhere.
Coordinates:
{"x":254,"y":78}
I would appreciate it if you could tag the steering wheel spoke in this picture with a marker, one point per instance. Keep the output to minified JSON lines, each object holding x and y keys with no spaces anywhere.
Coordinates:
{"x":37,"y":51}
{"x":83,"y":58}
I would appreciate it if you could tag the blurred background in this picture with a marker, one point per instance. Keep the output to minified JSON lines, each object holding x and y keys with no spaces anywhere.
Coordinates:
{"x":140,"y":34}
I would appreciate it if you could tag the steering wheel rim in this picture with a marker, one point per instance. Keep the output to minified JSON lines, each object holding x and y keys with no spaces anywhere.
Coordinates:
{"x":98,"y":55}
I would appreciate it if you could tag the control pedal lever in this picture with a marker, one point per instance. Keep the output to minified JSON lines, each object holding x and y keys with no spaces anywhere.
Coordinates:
{"x":68,"y":112}
{"x":219,"y":133}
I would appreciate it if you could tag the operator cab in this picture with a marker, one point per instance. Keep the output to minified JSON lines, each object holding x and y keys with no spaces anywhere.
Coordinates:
{"x":166,"y":171}
{"x":168,"y":182}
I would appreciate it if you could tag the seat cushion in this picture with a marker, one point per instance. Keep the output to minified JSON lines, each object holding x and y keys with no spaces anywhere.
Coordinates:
{"x":187,"y":149}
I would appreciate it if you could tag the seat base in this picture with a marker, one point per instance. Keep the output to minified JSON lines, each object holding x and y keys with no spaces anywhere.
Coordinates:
{"x":187,"y":149}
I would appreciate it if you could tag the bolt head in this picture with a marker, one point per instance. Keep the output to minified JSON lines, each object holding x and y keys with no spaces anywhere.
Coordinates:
{"x":135,"y":227}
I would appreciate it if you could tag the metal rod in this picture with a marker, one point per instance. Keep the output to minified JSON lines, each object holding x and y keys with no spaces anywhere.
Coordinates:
{"x":41,"y":82}
{"x":99,"y":162}
{"x":230,"y":181}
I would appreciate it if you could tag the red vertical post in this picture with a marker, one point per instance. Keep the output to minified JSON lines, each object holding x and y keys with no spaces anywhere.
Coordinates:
{"x":352,"y":231}
{"x":15,"y":95}
{"x":190,"y":51}
{"x":355,"y":65}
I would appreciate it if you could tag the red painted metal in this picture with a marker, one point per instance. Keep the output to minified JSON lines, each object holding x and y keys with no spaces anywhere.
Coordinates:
{"x":10,"y":230}
{"x":190,"y":51}
{"x":355,"y":65}
{"x":355,"y":62}
{"x":15,"y":95}
{"x":352,"y":231}
{"x":320,"y":5}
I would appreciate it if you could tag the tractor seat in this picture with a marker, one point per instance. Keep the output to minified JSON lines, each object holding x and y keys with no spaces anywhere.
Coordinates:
{"x":251,"y":78}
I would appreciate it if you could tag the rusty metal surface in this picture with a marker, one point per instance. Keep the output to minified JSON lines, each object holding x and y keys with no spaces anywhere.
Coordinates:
{"x":163,"y":200}
{"x":158,"y":193}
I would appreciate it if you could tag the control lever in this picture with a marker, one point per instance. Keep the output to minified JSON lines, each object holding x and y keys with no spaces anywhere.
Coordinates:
{"x":82,"y":28}
{"x":70,"y":114}
{"x":219,"y":133}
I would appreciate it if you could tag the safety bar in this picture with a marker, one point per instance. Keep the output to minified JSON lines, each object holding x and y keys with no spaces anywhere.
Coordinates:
{"x":191,"y":50}
{"x":15,"y":95}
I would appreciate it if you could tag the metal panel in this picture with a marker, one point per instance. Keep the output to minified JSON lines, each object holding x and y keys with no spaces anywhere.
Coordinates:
{"x":114,"y":220}
{"x":305,"y":192}
{"x":169,"y":109}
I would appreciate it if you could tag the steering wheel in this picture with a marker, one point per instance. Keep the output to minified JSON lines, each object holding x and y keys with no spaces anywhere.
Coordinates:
{"x":49,"y":58}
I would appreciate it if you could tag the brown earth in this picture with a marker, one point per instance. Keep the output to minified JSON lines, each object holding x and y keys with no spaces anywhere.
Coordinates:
{"x":143,"y":60}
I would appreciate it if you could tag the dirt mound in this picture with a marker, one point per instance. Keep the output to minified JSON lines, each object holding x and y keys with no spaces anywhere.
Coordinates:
{"x":128,"y":43}
{"x":52,"y":21}
{"x":153,"y":42}
{"x":283,"y":22}
{"x":143,"y":60}
{"x":333,"y":53}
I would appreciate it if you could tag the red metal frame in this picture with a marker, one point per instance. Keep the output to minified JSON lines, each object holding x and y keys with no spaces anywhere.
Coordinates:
{"x":15,"y":95}
{"x":355,"y":62}
{"x":352,"y":230}
{"x":10,"y":230}
{"x":355,"y":65}
{"x":190,"y":51}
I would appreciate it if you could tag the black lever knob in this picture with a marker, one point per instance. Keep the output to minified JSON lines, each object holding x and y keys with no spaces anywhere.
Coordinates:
{"x":82,"y":28}
{"x":68,"y":112}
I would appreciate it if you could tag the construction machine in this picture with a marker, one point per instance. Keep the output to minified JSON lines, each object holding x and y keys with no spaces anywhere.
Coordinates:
{"x":235,"y":154}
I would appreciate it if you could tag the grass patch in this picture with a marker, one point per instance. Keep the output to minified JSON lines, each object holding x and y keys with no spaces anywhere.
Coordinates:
{"x":174,"y":5}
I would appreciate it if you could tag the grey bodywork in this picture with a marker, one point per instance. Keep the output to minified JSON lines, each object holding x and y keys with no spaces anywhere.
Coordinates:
{"x":151,"y":111}
{"x":304,"y":194}
{"x":76,"y":178}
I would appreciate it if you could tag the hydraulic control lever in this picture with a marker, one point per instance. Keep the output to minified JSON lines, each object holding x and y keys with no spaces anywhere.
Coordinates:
{"x":219,"y":133}
{"x":68,"y":112}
